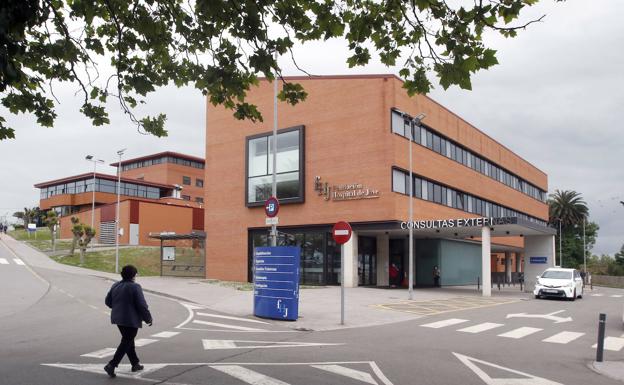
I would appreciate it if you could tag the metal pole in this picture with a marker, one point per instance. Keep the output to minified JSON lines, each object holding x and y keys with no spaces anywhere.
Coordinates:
{"x":93,"y":201}
{"x":411,"y":216}
{"x":584,"y":253}
{"x":120,"y":153}
{"x":602,"y":320}
{"x":342,"y":284}
{"x":560,"y":254}
{"x":273,"y":176}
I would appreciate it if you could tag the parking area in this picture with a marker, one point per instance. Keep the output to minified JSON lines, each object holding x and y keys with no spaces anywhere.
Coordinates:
{"x":445,"y":305}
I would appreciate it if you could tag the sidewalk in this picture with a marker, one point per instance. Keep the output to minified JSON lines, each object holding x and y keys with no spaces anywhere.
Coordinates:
{"x":319,"y":309}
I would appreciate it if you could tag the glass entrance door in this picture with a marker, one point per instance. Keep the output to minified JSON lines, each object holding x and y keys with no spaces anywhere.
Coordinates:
{"x":367,"y":261}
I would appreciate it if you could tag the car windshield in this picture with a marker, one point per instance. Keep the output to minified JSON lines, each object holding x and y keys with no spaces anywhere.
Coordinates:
{"x":554,"y":274}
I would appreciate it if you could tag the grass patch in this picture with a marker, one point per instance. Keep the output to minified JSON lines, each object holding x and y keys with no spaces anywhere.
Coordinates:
{"x":46,"y":245}
{"x":43,"y":233}
{"x":145,"y":259}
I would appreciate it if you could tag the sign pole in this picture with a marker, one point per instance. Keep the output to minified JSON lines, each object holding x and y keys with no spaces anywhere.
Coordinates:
{"x":342,"y":284}
{"x":274,"y":149}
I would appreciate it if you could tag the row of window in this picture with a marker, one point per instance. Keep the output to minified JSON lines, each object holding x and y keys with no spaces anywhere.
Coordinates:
{"x":163,"y":159}
{"x":187,"y":181}
{"x":433,"y":192}
{"x":446,"y":147}
{"x":101,"y":185}
{"x":197,"y":199}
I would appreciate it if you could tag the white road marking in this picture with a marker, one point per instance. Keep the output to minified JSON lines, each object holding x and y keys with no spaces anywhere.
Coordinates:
{"x":563,"y":337}
{"x":348,"y":372}
{"x":549,"y":316}
{"x":231,"y":318}
{"x":3,"y":261}
{"x":597,"y":295}
{"x":612,"y":343}
{"x":18,"y":261}
{"x":520,"y":332}
{"x":616,"y":296}
{"x":106,"y":352}
{"x":248,"y":376}
{"x":441,"y":324}
{"x":124,"y":369}
{"x":238,"y":344}
{"x":480,"y":327}
{"x":144,"y":341}
{"x":93,"y":307}
{"x":527,"y":379}
{"x":165,"y":334}
{"x":225,"y":326}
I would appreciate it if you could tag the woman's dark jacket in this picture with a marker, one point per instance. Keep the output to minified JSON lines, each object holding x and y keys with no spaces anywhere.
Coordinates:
{"x":128,"y":305}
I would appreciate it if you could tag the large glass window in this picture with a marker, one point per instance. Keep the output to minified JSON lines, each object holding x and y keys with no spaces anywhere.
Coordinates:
{"x":289,"y":167}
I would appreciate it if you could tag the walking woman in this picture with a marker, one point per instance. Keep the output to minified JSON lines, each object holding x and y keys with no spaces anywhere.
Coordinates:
{"x":129,"y":309}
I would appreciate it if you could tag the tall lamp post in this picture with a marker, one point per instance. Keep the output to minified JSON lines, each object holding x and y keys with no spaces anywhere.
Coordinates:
{"x":584,"y":249}
{"x":120,"y":153}
{"x":560,"y":236}
{"x":90,"y":158}
{"x":413,"y":122}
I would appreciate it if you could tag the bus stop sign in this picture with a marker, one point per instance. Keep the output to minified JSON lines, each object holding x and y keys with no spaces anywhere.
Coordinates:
{"x":342,"y":232}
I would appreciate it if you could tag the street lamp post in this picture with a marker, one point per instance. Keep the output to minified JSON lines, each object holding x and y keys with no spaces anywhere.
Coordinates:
{"x":560,"y":253}
{"x":95,"y":162}
{"x":413,"y":122}
{"x":120,"y":153}
{"x":584,"y":250}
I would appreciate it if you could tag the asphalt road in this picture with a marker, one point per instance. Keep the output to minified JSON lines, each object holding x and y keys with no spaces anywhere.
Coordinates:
{"x":54,"y":329}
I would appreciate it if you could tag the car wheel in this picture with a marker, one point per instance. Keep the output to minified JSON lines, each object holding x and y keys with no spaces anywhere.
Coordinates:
{"x":581,"y":296}
{"x":537,"y":296}
{"x":573,"y":296}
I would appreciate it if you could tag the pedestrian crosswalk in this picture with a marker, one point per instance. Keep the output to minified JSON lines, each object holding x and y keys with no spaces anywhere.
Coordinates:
{"x":520,"y":332}
{"x":203,"y":319}
{"x":256,"y":373}
{"x":16,"y":261}
{"x":109,"y":352}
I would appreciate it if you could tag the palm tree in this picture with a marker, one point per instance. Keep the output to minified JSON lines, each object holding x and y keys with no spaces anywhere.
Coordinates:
{"x":568,"y":207}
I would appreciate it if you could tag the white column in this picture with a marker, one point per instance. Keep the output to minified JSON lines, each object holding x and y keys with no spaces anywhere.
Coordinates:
{"x":486,"y":268}
{"x":518,"y":264}
{"x":351,"y":261}
{"x":383,"y":259}
{"x":538,"y":247}
{"x":507,"y":267}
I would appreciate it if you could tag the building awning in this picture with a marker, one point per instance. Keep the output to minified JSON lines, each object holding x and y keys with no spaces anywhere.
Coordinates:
{"x":168,"y":236}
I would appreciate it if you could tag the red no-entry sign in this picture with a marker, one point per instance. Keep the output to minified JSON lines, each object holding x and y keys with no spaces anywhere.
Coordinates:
{"x":342,"y":232}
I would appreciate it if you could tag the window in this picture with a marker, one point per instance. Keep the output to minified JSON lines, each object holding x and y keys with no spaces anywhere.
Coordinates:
{"x":199,"y":182}
{"x":398,"y":182}
{"x":186,"y":197}
{"x":289,"y":173}
{"x":186,"y":180}
{"x":199,"y":200}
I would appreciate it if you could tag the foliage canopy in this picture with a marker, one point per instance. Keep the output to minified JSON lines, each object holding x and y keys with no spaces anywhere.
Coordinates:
{"x":125,"y":49}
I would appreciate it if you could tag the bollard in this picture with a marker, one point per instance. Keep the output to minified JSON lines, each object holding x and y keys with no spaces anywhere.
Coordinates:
{"x":498,"y":281}
{"x":478,"y":283}
{"x":602,"y":320}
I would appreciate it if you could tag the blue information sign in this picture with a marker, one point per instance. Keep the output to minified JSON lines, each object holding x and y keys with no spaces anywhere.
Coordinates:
{"x":276,"y":282}
{"x":538,"y":259}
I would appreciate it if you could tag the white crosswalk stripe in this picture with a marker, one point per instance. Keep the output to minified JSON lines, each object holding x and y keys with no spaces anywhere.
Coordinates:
{"x":231,"y":318}
{"x":226,"y":326}
{"x":612,"y":343}
{"x":480,"y":327}
{"x":18,"y":261}
{"x":563,"y":337}
{"x":444,"y":323}
{"x":348,"y":372}
{"x":597,"y":295}
{"x":165,"y":334}
{"x":520,"y":332}
{"x":3,"y":261}
{"x":106,"y":352}
{"x":616,"y":296}
{"x":144,"y":341}
{"x":248,"y":376}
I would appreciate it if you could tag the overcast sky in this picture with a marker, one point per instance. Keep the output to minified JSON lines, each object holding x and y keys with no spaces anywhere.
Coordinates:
{"x":556,"y":99}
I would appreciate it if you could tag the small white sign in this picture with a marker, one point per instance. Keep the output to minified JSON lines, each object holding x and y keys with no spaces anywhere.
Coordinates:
{"x":168,"y":253}
{"x":272,"y":221}
{"x":32,"y":227}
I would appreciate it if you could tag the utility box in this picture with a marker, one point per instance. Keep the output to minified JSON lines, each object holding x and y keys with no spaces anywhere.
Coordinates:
{"x":276,"y":282}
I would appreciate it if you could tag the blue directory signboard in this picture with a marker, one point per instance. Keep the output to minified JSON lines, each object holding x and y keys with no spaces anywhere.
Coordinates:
{"x":276,"y":282}
{"x":538,"y":259}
